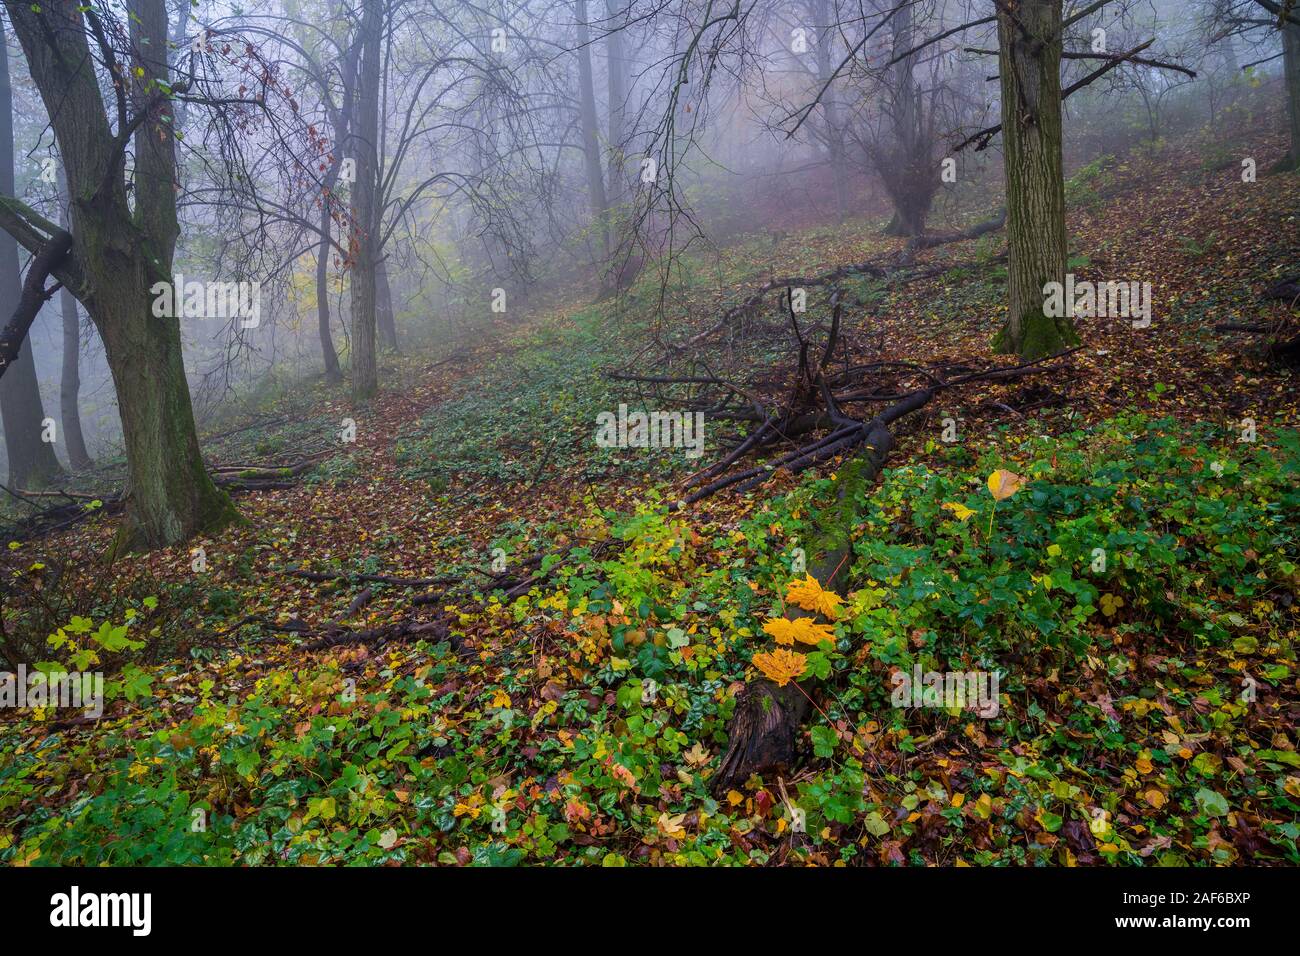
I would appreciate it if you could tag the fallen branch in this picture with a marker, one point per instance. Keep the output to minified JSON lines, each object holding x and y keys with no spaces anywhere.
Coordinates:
{"x":974,"y":232}
{"x":404,"y":629}
{"x":323,"y":576}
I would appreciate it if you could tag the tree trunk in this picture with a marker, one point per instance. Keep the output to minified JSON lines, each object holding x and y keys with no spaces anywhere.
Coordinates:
{"x":31,"y":459}
{"x":1228,"y":54}
{"x":765,"y":728}
{"x":70,"y":380}
{"x":171,"y":496}
{"x":179,"y":19}
{"x":341,"y":119}
{"x":905,"y":164}
{"x":616,"y":65}
{"x":909,"y":217}
{"x":833,"y":130}
{"x":365,"y":372}
{"x":1029,"y":60}
{"x":1291,"y":75}
{"x":333,"y":373}
{"x":384,"y":316}
{"x":70,"y":385}
{"x":591,"y":136}
{"x":120,"y":251}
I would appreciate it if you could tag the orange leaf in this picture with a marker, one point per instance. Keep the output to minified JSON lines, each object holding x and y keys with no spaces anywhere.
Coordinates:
{"x":781,"y":666}
{"x":804,"y":629}
{"x":810,"y":596}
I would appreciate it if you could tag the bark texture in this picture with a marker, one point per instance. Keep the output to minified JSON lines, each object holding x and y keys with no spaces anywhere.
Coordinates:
{"x":365,"y":372}
{"x":121,"y":249}
{"x":1029,"y":60}
{"x":31,"y":459}
{"x":70,"y":379}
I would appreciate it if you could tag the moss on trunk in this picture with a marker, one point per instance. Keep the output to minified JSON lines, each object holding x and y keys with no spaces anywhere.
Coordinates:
{"x":765,"y":729}
{"x":1040,"y":336}
{"x":170,"y":495}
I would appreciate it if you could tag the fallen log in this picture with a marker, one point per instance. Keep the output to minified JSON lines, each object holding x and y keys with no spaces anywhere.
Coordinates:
{"x":763,"y":736}
{"x":324,"y":576}
{"x":234,"y":478}
{"x":437,"y":630}
{"x":1287,"y":290}
{"x":1279,"y":349}
{"x":974,"y":232}
{"x":765,"y":727}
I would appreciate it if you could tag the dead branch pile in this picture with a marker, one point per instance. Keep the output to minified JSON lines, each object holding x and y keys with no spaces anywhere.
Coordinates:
{"x":822,"y":411}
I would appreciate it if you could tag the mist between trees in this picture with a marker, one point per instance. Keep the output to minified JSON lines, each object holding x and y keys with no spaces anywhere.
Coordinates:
{"x":398,"y":174}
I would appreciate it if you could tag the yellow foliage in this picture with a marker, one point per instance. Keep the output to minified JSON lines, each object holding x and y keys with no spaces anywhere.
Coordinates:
{"x":960,"y":510}
{"x":1003,"y":484}
{"x":805,"y":630}
{"x":781,"y":666}
{"x":810,"y":596}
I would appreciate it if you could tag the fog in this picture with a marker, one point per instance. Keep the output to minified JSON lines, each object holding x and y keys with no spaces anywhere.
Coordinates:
{"x":523,"y":149}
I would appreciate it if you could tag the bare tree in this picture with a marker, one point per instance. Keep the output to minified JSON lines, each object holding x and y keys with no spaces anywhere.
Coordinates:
{"x":119,"y":248}
{"x":1262,"y":21}
{"x":31,"y":459}
{"x":70,"y":380}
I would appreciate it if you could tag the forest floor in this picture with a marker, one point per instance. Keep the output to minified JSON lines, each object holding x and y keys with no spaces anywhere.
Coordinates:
{"x":491,"y":701}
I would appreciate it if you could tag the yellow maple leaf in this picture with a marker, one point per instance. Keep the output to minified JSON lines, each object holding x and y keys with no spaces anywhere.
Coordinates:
{"x":960,"y":510}
{"x":1003,"y":484}
{"x":804,"y":630}
{"x":780,"y":629}
{"x":473,"y":806}
{"x":781,"y":666}
{"x":811,"y":596}
{"x":808,"y":631}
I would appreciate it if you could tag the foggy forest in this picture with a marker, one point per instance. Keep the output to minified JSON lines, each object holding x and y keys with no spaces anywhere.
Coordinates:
{"x":660,"y":433}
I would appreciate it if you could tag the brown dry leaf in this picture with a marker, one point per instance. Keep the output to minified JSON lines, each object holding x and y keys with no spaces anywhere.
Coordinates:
{"x":1003,"y":484}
